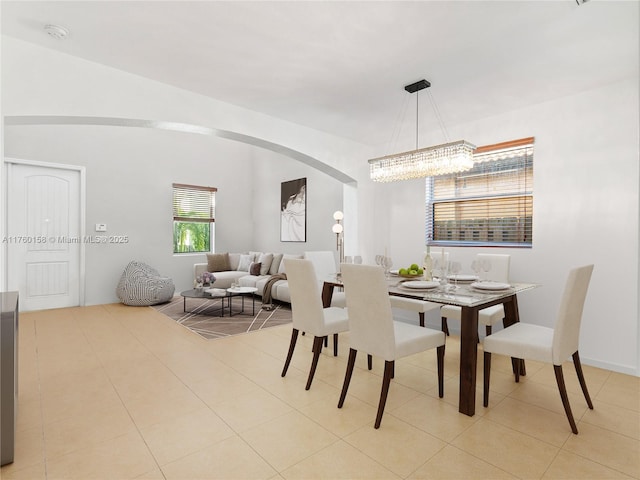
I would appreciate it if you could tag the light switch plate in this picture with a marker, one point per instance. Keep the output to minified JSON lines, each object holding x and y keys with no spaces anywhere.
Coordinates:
{"x":101,"y":227}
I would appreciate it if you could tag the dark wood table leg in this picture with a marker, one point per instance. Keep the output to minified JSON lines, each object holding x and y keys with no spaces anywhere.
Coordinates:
{"x":468,"y":360}
{"x":512,"y":316}
{"x":327,"y":293}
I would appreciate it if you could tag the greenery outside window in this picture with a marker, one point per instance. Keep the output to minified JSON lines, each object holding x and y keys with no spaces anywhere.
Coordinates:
{"x":489,"y":205}
{"x":193,"y":218}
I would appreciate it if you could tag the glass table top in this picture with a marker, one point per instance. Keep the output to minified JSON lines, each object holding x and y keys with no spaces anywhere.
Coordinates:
{"x":462,"y":294}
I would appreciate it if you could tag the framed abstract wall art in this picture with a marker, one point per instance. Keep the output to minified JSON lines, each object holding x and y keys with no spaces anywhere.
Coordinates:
{"x":293,"y":211}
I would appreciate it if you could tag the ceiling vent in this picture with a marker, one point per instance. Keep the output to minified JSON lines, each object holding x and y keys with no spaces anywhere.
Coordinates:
{"x":56,"y":31}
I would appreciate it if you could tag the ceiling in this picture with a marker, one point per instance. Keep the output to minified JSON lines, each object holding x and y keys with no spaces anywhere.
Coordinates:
{"x":340,"y":66}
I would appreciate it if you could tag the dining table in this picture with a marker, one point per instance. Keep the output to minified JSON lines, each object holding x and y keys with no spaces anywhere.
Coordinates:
{"x":471,"y":299}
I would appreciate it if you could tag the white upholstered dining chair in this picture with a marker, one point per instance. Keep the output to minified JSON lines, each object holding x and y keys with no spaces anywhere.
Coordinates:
{"x":489,"y":316}
{"x":524,"y":341}
{"x":373,"y":330}
{"x":308,"y":315}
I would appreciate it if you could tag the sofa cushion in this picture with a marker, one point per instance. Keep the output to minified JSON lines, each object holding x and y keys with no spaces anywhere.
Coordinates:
{"x":234,"y":261}
{"x":226,"y":279}
{"x":280,"y":291}
{"x":218,"y":262}
{"x":286,"y":255}
{"x":275,"y":264}
{"x":245,"y":263}
{"x":254,"y":268}
{"x":253,"y":281}
{"x":265,"y":260}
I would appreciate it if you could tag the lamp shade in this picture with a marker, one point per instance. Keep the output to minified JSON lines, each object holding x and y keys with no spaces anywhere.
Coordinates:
{"x":338,"y":215}
{"x":337,"y":228}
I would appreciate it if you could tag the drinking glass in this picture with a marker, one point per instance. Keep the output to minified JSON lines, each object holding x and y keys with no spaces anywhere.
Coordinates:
{"x":387,"y":263}
{"x":437,"y":268}
{"x":485,"y":263}
{"x":357,"y":260}
{"x":454,"y":270}
{"x":476,"y":266}
{"x":441,"y":266}
{"x":348,"y":259}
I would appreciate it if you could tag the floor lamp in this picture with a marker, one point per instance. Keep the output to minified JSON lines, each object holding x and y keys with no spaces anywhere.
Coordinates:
{"x":338,"y":229}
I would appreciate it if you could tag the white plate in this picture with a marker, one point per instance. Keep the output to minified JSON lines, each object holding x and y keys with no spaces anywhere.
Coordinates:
{"x":490,"y":286}
{"x":394,"y":272}
{"x":422,"y":285}
{"x":463,"y":278}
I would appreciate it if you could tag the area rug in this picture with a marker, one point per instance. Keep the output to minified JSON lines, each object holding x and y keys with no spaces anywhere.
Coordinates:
{"x":203,"y":316}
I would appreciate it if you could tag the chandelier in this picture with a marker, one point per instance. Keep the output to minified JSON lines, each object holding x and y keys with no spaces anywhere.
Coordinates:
{"x":431,"y":161}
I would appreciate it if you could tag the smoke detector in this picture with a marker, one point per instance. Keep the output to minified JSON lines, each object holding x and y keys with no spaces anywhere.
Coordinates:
{"x":56,"y":31}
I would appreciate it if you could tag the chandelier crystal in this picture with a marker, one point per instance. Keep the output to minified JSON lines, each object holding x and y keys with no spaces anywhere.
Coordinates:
{"x":425,"y":162}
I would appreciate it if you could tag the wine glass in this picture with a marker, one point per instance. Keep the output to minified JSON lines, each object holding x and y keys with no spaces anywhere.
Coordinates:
{"x":454,"y":270}
{"x":437,"y":268}
{"x":387,"y":263}
{"x":485,"y":264}
{"x":441,"y":266}
{"x":476,"y":266}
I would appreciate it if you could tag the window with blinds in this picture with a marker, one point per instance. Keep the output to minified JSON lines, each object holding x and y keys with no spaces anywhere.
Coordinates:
{"x":490,"y":205}
{"x":193,"y":218}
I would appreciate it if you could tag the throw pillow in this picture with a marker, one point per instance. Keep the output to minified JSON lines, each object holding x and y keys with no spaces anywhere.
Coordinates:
{"x":245,"y":262}
{"x":275,"y":265}
{"x":218,"y":262}
{"x":254,"y":268}
{"x":265,"y":259}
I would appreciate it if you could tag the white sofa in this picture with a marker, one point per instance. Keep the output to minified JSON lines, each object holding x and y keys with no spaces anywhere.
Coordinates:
{"x":239,"y":265}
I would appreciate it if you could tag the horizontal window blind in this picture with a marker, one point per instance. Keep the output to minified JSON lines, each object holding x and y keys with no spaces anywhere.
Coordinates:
{"x":192,"y":203}
{"x":488,"y":205}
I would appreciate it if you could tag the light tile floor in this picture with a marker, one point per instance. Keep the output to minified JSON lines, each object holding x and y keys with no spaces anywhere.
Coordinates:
{"x":116,"y":392}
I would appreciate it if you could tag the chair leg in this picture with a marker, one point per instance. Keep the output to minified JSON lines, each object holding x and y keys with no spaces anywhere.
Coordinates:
{"x":583,"y":384}
{"x":518,"y":367}
{"x":347,"y":376}
{"x":369,"y":362}
{"x":386,"y":381}
{"x":487,"y":330}
{"x":292,"y":346}
{"x":335,"y":344}
{"x":440,"y":355}
{"x":565,"y":398}
{"x":317,"y":349}
{"x":445,"y":326}
{"x":421,"y":315}
{"x":326,"y":341}
{"x":487,"y":374}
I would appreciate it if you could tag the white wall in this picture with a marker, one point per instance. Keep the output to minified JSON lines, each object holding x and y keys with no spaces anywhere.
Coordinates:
{"x":130,"y":170}
{"x":584,"y":212}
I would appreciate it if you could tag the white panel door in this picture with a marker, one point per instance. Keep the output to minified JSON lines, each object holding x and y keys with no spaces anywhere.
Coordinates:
{"x":43,"y":236}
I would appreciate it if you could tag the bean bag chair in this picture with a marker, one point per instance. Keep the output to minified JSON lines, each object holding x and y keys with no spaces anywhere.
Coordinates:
{"x":142,"y":285}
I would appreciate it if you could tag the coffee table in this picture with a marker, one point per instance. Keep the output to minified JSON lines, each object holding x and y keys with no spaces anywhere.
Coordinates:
{"x":227,"y":294}
{"x":242,"y":292}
